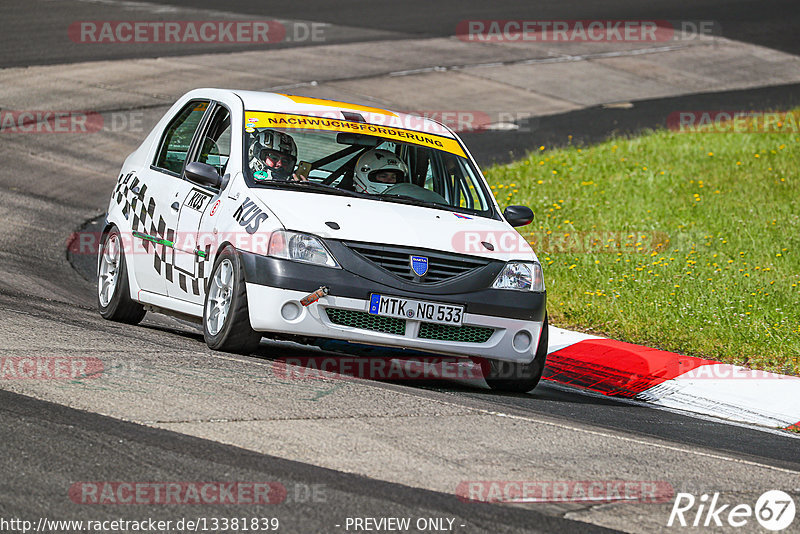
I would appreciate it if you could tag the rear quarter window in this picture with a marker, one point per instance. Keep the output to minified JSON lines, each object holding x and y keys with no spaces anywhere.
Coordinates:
{"x":178,"y":137}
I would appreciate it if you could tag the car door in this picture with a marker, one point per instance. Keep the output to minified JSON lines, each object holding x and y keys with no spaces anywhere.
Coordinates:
{"x":191,"y":251}
{"x":154,"y":220}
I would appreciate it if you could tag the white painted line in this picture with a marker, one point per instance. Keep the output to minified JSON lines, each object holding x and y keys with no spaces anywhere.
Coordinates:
{"x":611,"y":435}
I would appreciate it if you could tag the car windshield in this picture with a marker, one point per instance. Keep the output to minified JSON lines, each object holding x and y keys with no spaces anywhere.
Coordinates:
{"x":390,"y":164}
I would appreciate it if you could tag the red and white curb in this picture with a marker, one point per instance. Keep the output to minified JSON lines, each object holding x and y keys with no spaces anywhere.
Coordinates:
{"x":619,"y":369}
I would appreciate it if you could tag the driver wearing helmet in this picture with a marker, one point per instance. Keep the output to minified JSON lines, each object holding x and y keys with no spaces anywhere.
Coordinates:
{"x":377,"y":170}
{"x":272,"y":156}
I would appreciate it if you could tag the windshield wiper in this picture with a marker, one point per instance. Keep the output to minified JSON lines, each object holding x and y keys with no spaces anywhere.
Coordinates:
{"x":405,"y":199}
{"x":314,"y":186}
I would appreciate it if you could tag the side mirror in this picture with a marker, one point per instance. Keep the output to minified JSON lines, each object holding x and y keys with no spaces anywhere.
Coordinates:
{"x":203,"y":174}
{"x":518,"y":215}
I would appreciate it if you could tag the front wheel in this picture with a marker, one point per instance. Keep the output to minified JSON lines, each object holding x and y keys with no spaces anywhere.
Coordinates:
{"x":226,"y":318}
{"x":518,"y":377}
{"x":113,"y":292}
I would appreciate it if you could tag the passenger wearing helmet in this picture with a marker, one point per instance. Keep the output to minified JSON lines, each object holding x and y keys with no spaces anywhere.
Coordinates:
{"x":272,"y":156}
{"x":377,"y":170}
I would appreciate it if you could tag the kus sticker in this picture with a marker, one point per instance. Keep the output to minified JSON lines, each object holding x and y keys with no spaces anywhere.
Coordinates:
{"x":196,"y":200}
{"x":249,"y":215}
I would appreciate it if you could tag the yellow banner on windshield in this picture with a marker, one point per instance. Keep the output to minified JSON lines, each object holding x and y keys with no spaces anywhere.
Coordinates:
{"x":263,"y":119}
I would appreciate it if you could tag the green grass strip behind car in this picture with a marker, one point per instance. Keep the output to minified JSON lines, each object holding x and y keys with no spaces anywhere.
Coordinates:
{"x":689,"y":242}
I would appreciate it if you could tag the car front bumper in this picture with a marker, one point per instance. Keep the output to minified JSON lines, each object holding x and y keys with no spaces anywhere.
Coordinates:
{"x":499,"y":324}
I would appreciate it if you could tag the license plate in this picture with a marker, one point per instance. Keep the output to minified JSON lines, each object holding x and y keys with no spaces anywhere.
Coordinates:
{"x":402,"y":308}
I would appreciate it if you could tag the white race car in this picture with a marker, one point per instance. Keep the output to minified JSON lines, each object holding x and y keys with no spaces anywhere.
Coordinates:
{"x":275,"y":215}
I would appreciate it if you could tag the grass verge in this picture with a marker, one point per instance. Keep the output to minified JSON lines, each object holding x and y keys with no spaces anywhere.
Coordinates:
{"x":689,"y":242}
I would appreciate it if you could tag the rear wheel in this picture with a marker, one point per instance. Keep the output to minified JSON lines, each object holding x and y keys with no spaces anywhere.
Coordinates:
{"x":517,"y":377}
{"x":226,"y":317}
{"x":113,"y":292}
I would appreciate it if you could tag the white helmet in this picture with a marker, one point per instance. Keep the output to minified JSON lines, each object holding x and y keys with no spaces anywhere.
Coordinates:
{"x":374,"y":162}
{"x":269,"y":141}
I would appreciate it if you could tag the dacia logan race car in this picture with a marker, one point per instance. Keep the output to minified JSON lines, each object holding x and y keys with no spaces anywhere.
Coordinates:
{"x":265,"y":214}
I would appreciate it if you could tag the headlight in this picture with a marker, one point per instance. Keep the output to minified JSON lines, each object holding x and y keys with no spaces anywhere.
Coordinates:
{"x":300,"y":247}
{"x":522,"y":276}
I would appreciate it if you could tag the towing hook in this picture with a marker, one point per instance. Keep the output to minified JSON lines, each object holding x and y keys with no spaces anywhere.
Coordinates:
{"x":311,"y":298}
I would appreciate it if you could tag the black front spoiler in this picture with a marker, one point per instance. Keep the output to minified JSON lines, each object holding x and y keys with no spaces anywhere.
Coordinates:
{"x":479,"y":299}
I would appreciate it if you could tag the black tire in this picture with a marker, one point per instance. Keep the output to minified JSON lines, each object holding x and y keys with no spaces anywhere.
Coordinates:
{"x":517,"y":377}
{"x":120,"y":307}
{"x":235,"y":335}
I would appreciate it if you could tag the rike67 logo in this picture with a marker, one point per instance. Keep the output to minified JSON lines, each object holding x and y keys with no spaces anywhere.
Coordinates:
{"x":774,"y":510}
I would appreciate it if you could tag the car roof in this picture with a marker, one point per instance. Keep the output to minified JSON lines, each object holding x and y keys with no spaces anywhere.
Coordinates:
{"x":284,"y":103}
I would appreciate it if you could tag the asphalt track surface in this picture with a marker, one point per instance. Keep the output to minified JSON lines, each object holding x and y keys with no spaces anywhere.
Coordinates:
{"x":597,"y":123}
{"x":46,"y":446}
{"x":34,"y":30}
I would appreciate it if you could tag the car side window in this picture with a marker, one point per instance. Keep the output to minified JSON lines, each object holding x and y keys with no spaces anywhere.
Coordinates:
{"x":426,"y":170}
{"x":178,"y":137}
{"x":446,"y":175}
{"x":215,"y":147}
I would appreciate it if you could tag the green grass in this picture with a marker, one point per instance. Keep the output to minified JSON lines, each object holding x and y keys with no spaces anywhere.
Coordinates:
{"x":688,"y":242}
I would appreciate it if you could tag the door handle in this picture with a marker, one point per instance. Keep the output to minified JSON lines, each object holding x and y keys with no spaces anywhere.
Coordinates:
{"x":175,"y":206}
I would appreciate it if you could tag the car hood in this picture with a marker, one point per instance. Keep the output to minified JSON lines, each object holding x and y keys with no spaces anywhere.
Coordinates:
{"x":391,"y":223}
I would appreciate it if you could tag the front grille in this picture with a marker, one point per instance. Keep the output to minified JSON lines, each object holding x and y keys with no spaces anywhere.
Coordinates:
{"x":366,"y":321}
{"x":462,"y":334}
{"x":397,"y":260}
